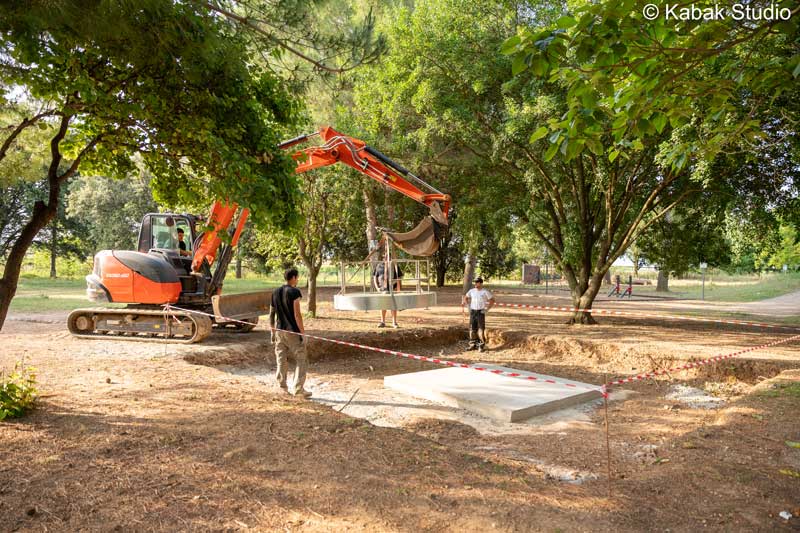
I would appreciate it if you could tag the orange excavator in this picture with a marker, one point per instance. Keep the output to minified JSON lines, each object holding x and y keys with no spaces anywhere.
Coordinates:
{"x":169,"y":269}
{"x":166,"y":269}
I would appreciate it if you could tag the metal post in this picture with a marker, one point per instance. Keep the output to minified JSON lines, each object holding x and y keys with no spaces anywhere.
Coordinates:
{"x":419,"y":280}
{"x":703,"y":290}
{"x":344,"y":277}
{"x":387,"y":274}
{"x":428,"y":273}
{"x":546,"y":275}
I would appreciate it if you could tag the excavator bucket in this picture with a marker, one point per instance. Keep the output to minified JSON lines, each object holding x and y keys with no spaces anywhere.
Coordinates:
{"x":422,"y":241}
{"x":247,"y":305}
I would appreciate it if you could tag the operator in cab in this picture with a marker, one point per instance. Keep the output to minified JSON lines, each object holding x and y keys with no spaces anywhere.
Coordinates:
{"x":182,"y":244}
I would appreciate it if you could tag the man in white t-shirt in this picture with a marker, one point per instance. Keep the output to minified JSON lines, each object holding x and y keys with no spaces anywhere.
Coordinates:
{"x":480,"y":301}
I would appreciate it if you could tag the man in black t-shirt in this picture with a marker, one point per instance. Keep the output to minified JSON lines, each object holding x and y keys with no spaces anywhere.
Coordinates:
{"x":286,"y":309}
{"x":181,"y":244}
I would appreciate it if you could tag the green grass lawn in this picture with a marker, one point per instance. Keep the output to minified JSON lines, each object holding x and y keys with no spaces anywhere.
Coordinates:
{"x":723,"y":288}
{"x":719,"y":287}
{"x":42,"y":294}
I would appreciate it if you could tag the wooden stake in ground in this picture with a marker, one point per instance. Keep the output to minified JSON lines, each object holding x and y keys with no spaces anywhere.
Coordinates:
{"x":608,"y":442}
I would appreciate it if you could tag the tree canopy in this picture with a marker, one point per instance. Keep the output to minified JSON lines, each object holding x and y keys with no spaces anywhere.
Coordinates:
{"x":167,"y":81}
{"x":630,"y":72}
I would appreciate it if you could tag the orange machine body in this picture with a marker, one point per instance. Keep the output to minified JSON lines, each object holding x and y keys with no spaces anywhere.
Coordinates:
{"x":122,"y":277}
{"x":157,"y":276}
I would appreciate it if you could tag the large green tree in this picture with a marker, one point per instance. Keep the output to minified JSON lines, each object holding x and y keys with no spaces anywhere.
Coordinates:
{"x":643,"y":113}
{"x":435,"y":102}
{"x":166,"y":80}
{"x":631,"y":69}
{"x":689,"y":235}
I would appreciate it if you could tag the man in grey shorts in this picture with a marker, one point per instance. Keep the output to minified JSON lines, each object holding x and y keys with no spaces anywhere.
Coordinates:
{"x":286,"y":308}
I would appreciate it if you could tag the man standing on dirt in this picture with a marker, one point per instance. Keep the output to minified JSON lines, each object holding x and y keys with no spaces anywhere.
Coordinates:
{"x":382,"y":283}
{"x":480,"y":301}
{"x":286,"y":305}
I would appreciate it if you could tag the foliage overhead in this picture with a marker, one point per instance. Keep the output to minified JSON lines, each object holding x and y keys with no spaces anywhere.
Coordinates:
{"x":163,"y":79}
{"x":630,"y":78}
{"x":111,"y":209}
{"x":300,"y":33}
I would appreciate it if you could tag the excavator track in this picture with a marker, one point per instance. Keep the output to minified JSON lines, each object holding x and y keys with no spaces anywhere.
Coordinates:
{"x":147,"y":325}
{"x":244,"y":325}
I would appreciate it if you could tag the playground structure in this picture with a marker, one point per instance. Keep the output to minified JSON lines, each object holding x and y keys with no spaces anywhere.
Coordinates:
{"x":421,"y":241}
{"x":615,"y":291}
{"x":372,"y":297}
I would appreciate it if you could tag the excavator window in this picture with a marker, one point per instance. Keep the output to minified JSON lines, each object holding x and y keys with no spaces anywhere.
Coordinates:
{"x":164,"y":232}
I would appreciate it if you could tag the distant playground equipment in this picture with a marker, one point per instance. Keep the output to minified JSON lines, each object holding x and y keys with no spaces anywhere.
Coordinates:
{"x":379,"y":295}
{"x":616,"y":290}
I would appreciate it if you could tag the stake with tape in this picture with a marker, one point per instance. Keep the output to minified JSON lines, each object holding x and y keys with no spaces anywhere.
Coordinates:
{"x":703,"y":362}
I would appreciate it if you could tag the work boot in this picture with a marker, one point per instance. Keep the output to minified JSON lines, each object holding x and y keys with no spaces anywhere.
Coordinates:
{"x":472,"y":347}
{"x":303,"y":392}
{"x":481,"y":349}
{"x":284,"y":388}
{"x":382,"y":325}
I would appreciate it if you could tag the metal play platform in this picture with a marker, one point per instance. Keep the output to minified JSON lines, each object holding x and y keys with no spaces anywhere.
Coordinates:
{"x":370,"y":298}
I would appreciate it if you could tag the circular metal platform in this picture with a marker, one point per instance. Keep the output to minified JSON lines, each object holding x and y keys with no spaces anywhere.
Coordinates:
{"x":379,"y":301}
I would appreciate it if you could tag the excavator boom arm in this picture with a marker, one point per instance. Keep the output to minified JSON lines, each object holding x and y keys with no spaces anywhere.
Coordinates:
{"x":220,"y":219}
{"x":357,"y":154}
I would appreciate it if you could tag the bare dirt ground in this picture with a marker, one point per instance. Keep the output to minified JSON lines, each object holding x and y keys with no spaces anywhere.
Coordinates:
{"x":136,"y":436}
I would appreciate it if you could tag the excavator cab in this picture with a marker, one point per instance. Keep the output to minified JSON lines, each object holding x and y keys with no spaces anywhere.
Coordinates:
{"x":160,"y":231}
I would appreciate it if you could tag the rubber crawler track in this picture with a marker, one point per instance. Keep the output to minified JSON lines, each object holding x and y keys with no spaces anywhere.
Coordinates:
{"x":201,"y":325}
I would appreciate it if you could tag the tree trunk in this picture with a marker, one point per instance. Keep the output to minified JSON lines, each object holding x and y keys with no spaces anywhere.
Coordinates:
{"x":313,"y":272}
{"x":583,"y":297}
{"x":7,"y":290}
{"x":469,"y":272}
{"x":372,"y":219}
{"x":635,"y":257}
{"x":441,"y":261}
{"x":663,"y":281}
{"x":53,"y":249}
{"x":41,"y":216}
{"x":441,"y":273}
{"x":387,"y":201}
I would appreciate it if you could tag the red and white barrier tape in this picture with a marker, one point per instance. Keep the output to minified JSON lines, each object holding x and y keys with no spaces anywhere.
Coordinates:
{"x":445,"y":362}
{"x":406,"y":355}
{"x":649,"y":315}
{"x":695,"y":364}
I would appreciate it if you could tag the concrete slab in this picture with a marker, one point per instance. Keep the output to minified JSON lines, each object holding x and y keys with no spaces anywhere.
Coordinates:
{"x":499,"y":397}
{"x":376,"y":301}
